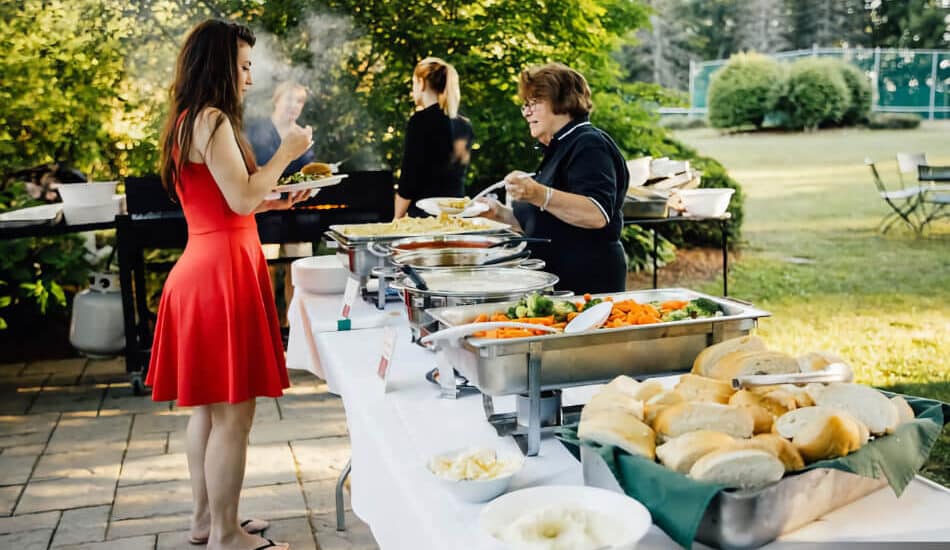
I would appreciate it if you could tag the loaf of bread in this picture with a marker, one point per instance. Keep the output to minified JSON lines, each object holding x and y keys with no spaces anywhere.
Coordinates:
{"x":637,"y":390}
{"x":606,"y":400}
{"x":660,"y":402}
{"x":744,"y":468}
{"x":619,"y":428}
{"x":680,"y":453}
{"x":868,"y":405}
{"x":829,"y":436}
{"x":904,"y":411}
{"x":742,"y":363}
{"x":818,"y":360}
{"x":711,"y":355}
{"x":780,"y":447}
{"x":690,"y":417}
{"x":699,"y":388}
{"x":790,"y":423}
{"x":764,"y":408}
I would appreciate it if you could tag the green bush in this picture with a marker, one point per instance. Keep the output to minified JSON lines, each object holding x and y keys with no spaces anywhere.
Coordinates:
{"x":859,"y":94}
{"x":893,"y":121}
{"x":742,"y":92}
{"x":638,"y":246}
{"x":815,"y":93}
{"x":682,"y":123}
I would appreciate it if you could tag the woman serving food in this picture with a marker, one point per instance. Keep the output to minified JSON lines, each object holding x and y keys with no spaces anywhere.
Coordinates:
{"x":576,"y":196}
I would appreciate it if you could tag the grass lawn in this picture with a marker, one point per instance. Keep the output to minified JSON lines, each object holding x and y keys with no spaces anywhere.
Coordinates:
{"x":812,"y":256}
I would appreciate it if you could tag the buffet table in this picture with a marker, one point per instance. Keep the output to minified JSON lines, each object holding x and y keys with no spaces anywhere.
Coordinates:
{"x":395,"y":429}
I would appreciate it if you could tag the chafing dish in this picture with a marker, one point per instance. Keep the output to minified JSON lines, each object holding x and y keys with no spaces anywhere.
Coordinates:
{"x":530,"y":365}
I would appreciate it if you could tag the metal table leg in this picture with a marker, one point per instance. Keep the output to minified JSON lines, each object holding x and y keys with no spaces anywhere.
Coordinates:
{"x":723,"y":227}
{"x":340,"y":507}
{"x":655,"y":247}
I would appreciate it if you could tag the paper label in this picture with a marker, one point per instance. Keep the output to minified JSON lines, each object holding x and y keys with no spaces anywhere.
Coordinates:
{"x":349,"y":296}
{"x":386,"y":358}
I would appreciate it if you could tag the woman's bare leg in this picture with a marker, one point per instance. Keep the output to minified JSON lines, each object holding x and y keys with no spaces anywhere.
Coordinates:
{"x":196,"y":439}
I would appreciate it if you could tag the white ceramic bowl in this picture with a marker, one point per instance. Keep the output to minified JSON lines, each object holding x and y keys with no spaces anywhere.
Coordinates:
{"x":632,"y":517}
{"x":87,"y":194}
{"x":478,"y":490}
{"x":708,"y":203}
{"x":319,"y":274}
{"x":76,"y":214}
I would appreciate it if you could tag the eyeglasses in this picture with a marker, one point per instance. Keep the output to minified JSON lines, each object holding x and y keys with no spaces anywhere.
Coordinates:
{"x":530,"y":106}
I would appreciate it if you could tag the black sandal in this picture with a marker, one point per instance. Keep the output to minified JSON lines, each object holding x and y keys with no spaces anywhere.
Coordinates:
{"x":270,"y":544}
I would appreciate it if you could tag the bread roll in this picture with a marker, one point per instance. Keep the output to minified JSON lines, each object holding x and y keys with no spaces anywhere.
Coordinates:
{"x":619,"y":428}
{"x":868,"y":405}
{"x":623,"y":384}
{"x":318,"y":169}
{"x":904,"y":411}
{"x":790,"y":423}
{"x":814,"y":389}
{"x":818,"y":360}
{"x":660,"y":402}
{"x":744,"y":468}
{"x":711,"y":355}
{"x":680,"y":453}
{"x":741,"y":363}
{"x":764,"y":408}
{"x":699,"y":388}
{"x":829,"y":436}
{"x":690,"y":417}
{"x":780,"y":447}
{"x":613,"y":400}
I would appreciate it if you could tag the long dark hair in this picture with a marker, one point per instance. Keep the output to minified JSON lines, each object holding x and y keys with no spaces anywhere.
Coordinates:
{"x":205,"y":76}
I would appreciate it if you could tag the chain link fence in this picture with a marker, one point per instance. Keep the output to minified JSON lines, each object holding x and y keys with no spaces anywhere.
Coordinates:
{"x":903,"y":81}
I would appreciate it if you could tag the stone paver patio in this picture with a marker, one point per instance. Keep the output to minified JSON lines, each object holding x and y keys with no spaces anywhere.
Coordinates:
{"x":86,"y":465}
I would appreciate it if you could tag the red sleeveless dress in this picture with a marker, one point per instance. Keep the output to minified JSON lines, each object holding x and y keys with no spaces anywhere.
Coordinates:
{"x":217,"y":338}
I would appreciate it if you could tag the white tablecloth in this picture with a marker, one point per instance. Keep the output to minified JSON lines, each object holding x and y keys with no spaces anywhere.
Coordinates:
{"x":393,"y":435}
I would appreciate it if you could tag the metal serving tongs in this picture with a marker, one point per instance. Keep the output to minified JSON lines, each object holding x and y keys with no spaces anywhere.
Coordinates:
{"x":492,"y":187}
{"x":835,"y":372}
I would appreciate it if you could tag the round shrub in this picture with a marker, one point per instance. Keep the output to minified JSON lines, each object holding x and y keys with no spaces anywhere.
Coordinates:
{"x":859,"y":94}
{"x":893,"y":121}
{"x":741,"y":93}
{"x":815,"y":94}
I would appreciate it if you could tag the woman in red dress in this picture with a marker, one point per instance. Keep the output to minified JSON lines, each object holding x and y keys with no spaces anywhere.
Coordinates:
{"x":217,"y":341}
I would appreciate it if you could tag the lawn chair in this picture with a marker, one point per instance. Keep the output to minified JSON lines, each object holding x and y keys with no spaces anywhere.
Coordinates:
{"x":934,"y":194}
{"x":903,"y":203}
{"x":907,"y":163}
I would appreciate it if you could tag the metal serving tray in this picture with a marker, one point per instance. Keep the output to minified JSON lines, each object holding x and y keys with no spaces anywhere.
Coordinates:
{"x":753,"y":517}
{"x":500,"y":367}
{"x":487,"y":226}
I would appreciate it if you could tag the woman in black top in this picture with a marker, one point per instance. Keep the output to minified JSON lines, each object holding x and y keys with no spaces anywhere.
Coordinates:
{"x":438,"y":141}
{"x":575,"y":198}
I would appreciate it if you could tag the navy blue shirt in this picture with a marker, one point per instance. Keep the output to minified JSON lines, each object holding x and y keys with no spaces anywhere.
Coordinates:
{"x":582,"y":160}
{"x":264,"y":140}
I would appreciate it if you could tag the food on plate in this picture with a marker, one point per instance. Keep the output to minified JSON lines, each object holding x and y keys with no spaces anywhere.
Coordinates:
{"x":565,"y":527}
{"x":472,"y":464}
{"x":413,"y":226}
{"x":904,"y":411}
{"x":681,"y":452}
{"x":692,"y":416}
{"x":743,"y":363}
{"x":764,"y":407}
{"x":536,"y":308}
{"x":453,"y":203}
{"x":829,"y":436}
{"x":312,"y":171}
{"x":620,"y":428}
{"x":711,"y":355}
{"x":743,"y":468}
{"x":866,"y":404}
{"x":700,"y":388}
{"x":780,"y":447}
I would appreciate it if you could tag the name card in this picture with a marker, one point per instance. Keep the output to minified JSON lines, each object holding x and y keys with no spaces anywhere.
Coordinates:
{"x":386,"y":358}
{"x":349,"y":296}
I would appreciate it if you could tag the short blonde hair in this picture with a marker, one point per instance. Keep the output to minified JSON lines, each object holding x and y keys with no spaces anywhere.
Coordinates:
{"x":565,"y":88}
{"x":286,"y":87}
{"x":442,"y":79}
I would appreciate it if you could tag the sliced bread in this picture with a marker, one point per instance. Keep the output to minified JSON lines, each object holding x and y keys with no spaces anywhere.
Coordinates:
{"x":659,"y":402}
{"x":711,"y":355}
{"x":619,"y":428}
{"x":868,"y":405}
{"x":764,"y":408}
{"x":613,"y":400}
{"x":818,"y":360}
{"x":828,"y":436}
{"x":782,"y":448}
{"x":700,"y":388}
{"x":690,"y":417}
{"x":743,"y":468}
{"x":680,"y":453}
{"x":904,"y":411}
{"x":742,"y":363}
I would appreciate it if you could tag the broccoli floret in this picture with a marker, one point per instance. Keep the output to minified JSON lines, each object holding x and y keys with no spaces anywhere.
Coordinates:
{"x":538,"y":305}
{"x":513,"y":311}
{"x":561,"y":309}
{"x":677,"y":315}
{"x":522,"y":311}
{"x":591,"y":303}
{"x":702,"y":307}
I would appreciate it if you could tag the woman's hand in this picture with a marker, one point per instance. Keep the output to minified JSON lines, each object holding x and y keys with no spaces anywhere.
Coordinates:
{"x":521,"y":187}
{"x":296,"y":141}
{"x":285,"y":203}
{"x":499,"y":212}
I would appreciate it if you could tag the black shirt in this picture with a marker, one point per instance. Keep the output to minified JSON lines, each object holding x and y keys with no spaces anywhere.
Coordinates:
{"x":583,"y":160}
{"x":430,"y":166}
{"x":264,"y":140}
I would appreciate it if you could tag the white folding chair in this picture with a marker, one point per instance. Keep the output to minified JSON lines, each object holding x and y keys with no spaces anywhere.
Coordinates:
{"x":907,"y":163}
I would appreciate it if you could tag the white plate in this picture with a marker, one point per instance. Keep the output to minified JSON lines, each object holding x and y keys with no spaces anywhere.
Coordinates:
{"x":310,"y":184}
{"x":632,"y":518}
{"x":431,"y":206}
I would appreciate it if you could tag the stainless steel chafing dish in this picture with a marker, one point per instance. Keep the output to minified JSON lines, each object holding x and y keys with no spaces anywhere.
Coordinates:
{"x":526,"y":366}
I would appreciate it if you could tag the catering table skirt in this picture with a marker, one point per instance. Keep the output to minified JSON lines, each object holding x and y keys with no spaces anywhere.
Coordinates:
{"x":393,"y":433}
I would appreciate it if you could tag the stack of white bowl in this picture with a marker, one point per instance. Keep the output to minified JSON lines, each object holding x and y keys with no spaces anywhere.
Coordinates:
{"x":91,"y":202}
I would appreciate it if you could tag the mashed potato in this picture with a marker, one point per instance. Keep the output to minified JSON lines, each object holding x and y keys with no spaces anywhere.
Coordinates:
{"x":561,"y":528}
{"x":472,"y":464}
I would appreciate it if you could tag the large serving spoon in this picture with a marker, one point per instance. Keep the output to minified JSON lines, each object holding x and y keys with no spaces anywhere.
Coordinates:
{"x":492,"y":187}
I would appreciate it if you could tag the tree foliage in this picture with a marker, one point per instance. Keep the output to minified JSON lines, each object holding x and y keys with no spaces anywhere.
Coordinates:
{"x":743,"y":91}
